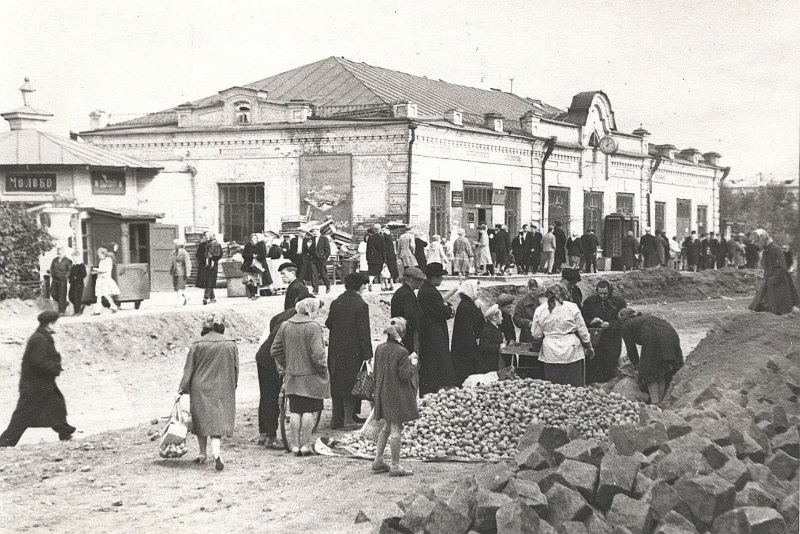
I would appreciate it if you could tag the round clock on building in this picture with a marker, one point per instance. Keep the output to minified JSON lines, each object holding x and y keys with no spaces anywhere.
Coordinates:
{"x":608,"y":145}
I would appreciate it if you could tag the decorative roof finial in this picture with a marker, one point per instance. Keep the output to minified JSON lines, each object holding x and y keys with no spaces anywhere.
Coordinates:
{"x":27,"y":90}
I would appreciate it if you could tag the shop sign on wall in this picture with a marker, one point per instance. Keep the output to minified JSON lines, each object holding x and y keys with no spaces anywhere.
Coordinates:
{"x":108,"y":182}
{"x":457,"y":199}
{"x":326,"y":189}
{"x":30,"y":183}
{"x":498,"y":197}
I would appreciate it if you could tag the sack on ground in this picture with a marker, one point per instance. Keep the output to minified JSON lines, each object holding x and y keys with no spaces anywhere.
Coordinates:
{"x":173,"y":436}
{"x":372,"y":427}
{"x":474,"y":380}
{"x":364,"y":388}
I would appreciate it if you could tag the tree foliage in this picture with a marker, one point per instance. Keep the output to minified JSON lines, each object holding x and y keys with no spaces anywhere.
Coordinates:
{"x":22,"y":241}
{"x":773,"y":207}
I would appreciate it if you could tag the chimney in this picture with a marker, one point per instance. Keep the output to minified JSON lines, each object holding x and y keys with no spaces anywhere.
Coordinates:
{"x":493,"y":121}
{"x":299,"y":110}
{"x":455,"y":116}
{"x":641,"y":132}
{"x":98,"y":119}
{"x":529,"y":123}
{"x":405,"y":110}
{"x":26,"y":117}
{"x":712,"y":158}
{"x":667,"y":151}
{"x":692,"y":154}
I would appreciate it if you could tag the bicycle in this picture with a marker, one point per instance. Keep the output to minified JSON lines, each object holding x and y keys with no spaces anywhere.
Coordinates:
{"x":283,"y":400}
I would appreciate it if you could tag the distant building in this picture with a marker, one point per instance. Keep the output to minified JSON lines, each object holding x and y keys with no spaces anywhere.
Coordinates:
{"x":366,"y":144}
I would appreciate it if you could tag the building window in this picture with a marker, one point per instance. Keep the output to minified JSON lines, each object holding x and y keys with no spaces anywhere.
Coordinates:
{"x":660,"y":216}
{"x":684,"y":217}
{"x":440,"y":196}
{"x":625,"y":203}
{"x":242,"y":113}
{"x":593,"y":212}
{"x":241,"y":211}
{"x":477,"y":194}
{"x":558,"y":207}
{"x":513,"y":207}
{"x":702,"y":219}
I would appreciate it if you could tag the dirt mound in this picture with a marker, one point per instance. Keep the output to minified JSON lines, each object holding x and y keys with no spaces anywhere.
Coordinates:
{"x":22,"y":309}
{"x":753,"y":353}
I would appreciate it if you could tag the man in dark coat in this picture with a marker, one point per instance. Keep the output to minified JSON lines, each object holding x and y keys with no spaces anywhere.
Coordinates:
{"x":349,"y":347}
{"x":505,"y":302}
{"x":295,"y":253}
{"x":629,"y":249}
{"x":536,"y":248}
{"x":777,"y":293}
{"x":523,"y":312}
{"x":390,"y":256}
{"x":692,"y":247}
{"x":375,"y":256}
{"x":436,"y":366}
{"x":295,"y":288}
{"x":77,"y":281}
{"x":520,"y":252}
{"x":570,"y":278}
{"x":467,"y":330}
{"x":419,"y":252}
{"x":648,"y":248}
{"x":59,"y":272}
{"x":705,"y":249}
{"x":502,"y":248}
{"x":589,"y":244}
{"x":598,"y":309}
{"x":208,"y":255}
{"x":319,"y":251}
{"x":722,"y":252}
{"x":405,"y":305}
{"x":713,"y":251}
{"x":41,"y":403}
{"x":561,"y":247}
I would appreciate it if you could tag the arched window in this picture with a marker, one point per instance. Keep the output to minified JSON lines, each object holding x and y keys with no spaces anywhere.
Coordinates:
{"x":242,"y":112}
{"x":594,"y":140}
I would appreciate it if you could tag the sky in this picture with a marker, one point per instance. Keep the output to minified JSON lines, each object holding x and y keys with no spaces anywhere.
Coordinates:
{"x":712,"y":75}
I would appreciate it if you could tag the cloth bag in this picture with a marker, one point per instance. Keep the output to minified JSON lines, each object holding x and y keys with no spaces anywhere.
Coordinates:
{"x":364,"y":388}
{"x":372,"y":426}
{"x":173,"y":436}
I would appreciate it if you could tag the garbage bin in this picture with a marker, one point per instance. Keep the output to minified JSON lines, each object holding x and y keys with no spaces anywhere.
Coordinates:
{"x":232,"y":271}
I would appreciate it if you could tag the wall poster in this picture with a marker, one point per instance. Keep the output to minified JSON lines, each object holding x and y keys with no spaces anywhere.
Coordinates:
{"x":108,"y":182}
{"x":326,"y":189}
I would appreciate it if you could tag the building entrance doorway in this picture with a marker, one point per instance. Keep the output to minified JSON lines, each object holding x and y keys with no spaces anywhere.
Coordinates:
{"x":473,"y":217}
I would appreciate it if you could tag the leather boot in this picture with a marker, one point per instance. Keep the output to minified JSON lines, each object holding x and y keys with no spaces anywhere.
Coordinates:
{"x":349,"y":424}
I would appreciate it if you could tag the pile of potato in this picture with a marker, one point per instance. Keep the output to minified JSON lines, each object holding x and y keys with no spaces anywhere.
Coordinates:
{"x":486,"y":422}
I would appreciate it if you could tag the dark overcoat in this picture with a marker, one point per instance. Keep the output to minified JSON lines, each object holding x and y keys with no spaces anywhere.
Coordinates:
{"x":777,"y":293}
{"x":502,"y":244}
{"x":629,"y":247}
{"x":396,"y":383}
{"x":250,"y":252}
{"x":489,"y":346}
{"x":295,"y":290}
{"x":375,"y":250}
{"x":419,"y":253}
{"x":603,"y":367}
{"x":208,"y":263}
{"x":523,"y":315}
{"x":693,"y":251}
{"x":350,"y":342}
{"x":507,"y":328}
{"x":561,"y":246}
{"x":436,"y":366}
{"x":40,"y":404}
{"x":77,"y":277}
{"x":574,"y":246}
{"x":467,"y":330}
{"x":405,"y":305}
{"x":519,"y":250}
{"x":661,"y":355}
{"x":390,"y":255}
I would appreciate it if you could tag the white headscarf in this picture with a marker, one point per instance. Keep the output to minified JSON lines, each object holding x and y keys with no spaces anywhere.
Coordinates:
{"x":469,"y":288}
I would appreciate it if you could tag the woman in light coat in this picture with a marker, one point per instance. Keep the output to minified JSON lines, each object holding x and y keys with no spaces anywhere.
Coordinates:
{"x":436,"y":252}
{"x":566,"y":339}
{"x":105,"y":285}
{"x":462,"y":255}
{"x":180,"y":268}
{"x":210,"y":377}
{"x":299,"y":352}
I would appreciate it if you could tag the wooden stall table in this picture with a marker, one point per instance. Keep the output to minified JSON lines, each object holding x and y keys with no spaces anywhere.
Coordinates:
{"x":523,"y":359}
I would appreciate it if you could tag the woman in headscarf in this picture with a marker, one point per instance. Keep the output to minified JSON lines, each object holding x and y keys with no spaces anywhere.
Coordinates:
{"x":299,"y":352}
{"x":483,"y":256}
{"x":661,"y":355}
{"x":491,"y":340}
{"x":777,"y":293}
{"x":436,"y":252}
{"x":467,"y":330}
{"x":254,"y":265}
{"x":210,"y":377}
{"x":600,"y":311}
{"x":462,"y":255}
{"x":565,"y":338}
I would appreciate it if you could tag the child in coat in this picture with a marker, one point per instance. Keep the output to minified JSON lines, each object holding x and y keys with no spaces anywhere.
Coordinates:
{"x":491,"y":340}
{"x":396,"y":385}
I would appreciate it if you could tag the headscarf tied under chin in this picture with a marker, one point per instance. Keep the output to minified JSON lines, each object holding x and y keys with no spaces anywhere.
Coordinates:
{"x":627,"y":313}
{"x":558,"y":292}
{"x":214,"y":321}
{"x":760,"y":238}
{"x":469,"y":289}
{"x":396,"y":328}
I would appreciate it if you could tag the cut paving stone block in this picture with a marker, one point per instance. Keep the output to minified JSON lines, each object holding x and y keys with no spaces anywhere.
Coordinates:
{"x":629,"y":439}
{"x":675,"y":465}
{"x":548,"y":437}
{"x":717,"y":431}
{"x":596,"y":523}
{"x":675,"y":523}
{"x":417,"y":513}
{"x":391,"y":525}
{"x":516,"y":518}
{"x":767,"y":428}
{"x":716,"y":456}
{"x":535,"y":476}
{"x":782,"y":465}
{"x":746,"y":425}
{"x":530,"y":494}
{"x":631,"y":514}
{"x":494,"y":477}
{"x":754,"y":495}
{"x":767,"y":479}
{"x":706,"y":496}
{"x":511,"y":489}
{"x":445,"y":520}
{"x":581,"y":476}
{"x":581,"y":450}
{"x":534,"y":457}
{"x":780,"y":420}
{"x":554,"y":477}
{"x":546,"y":528}
{"x":617,"y":475}
{"x":691,"y":441}
{"x":642,"y":485}
{"x":566,"y":504}
{"x":662,"y":498}
{"x":487,"y":503}
{"x":788,"y":442}
{"x":572,"y":527}
{"x":675,"y":425}
{"x":463,"y":498}
{"x":750,"y":520}
{"x":735,"y":471}
{"x":788,"y":507}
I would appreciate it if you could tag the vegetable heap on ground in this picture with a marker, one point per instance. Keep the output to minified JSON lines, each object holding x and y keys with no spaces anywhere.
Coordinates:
{"x":485,"y":422}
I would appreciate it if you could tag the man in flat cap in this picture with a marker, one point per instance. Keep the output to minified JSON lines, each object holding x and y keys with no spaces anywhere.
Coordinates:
{"x":40,"y":404}
{"x":295,"y":288}
{"x":570,"y":278}
{"x":506,"y":304}
{"x":405,"y":305}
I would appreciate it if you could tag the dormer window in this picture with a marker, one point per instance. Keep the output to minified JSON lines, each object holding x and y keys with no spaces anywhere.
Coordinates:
{"x":242,"y":112}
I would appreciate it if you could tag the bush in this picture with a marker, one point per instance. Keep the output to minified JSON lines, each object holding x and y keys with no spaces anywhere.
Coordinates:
{"x":22,"y":241}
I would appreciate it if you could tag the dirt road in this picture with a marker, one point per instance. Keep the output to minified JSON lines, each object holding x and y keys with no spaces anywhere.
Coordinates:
{"x":115,"y":480}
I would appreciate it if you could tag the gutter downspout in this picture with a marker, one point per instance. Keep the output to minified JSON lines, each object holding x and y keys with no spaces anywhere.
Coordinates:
{"x":653,"y":168}
{"x":725,"y":172}
{"x":412,"y":127}
{"x":549,"y":146}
